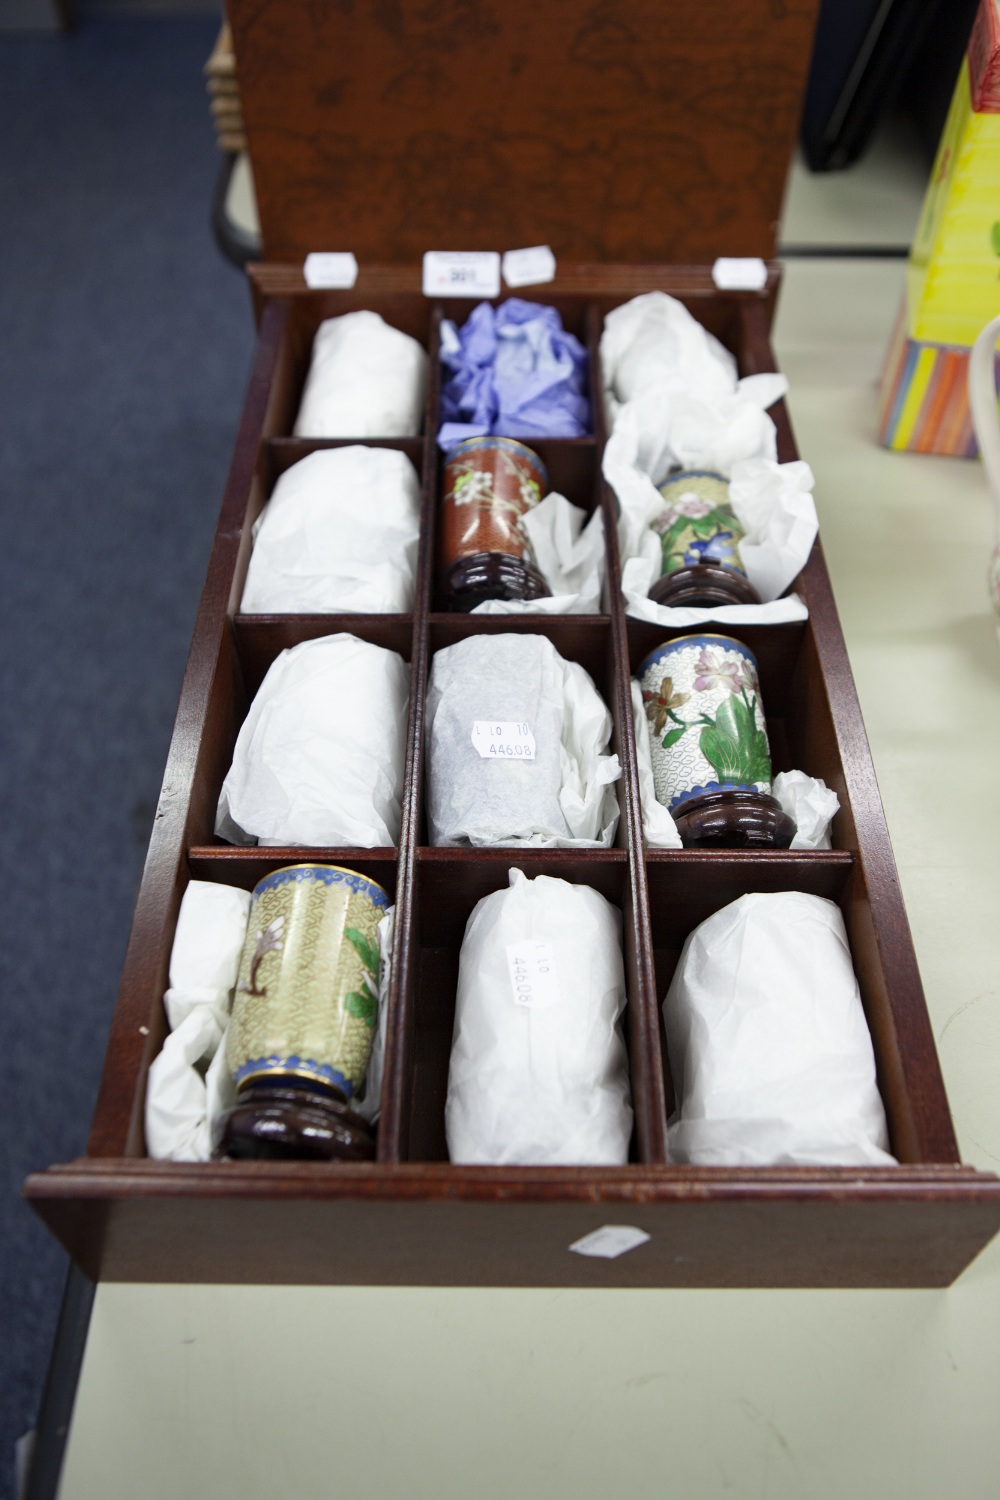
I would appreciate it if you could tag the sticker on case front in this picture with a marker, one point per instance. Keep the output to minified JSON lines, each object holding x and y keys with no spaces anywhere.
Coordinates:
{"x":503,"y":739}
{"x":610,"y":1241}
{"x":462,"y":273}
{"x":529,"y":267}
{"x":746,"y":273}
{"x":330,"y":269}
{"x":533,"y":976}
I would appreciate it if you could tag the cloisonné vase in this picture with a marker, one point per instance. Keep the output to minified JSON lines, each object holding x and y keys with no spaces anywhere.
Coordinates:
{"x":709,"y":746}
{"x":304,"y":1016}
{"x":490,"y":484}
{"x":699,"y":535}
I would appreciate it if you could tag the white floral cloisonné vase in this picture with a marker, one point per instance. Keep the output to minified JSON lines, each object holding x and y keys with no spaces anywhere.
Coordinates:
{"x":708,"y":743}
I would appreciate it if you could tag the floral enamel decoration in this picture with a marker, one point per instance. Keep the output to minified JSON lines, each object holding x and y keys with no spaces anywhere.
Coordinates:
{"x":490,"y":484}
{"x":363,"y":1001}
{"x":730,"y":740}
{"x":705,"y":719}
{"x":497,"y":497}
{"x":698,"y":524}
{"x":689,"y":504}
{"x":715,"y":669}
{"x":660,"y":707}
{"x":699,"y":543}
{"x":304,"y":1018}
{"x":269,"y":940}
{"x":307,"y":998}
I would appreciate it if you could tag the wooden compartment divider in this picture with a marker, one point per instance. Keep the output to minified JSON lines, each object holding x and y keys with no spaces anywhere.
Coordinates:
{"x":411,"y":1216}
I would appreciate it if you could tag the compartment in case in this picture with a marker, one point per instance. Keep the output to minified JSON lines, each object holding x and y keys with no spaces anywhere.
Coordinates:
{"x":449,"y":885}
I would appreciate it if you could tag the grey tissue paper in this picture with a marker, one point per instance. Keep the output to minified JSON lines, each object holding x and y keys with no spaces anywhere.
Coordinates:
{"x":564,"y":796}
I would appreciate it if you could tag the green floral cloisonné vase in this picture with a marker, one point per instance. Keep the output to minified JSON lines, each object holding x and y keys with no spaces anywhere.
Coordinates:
{"x":304,"y":1015}
{"x":699,"y":537}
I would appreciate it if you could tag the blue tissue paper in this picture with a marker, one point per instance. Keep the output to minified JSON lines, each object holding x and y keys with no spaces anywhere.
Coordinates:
{"x":514,"y":371}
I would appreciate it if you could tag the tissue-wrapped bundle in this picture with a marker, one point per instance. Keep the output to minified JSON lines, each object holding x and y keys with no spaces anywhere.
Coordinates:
{"x":338,"y":535}
{"x":366,"y":379}
{"x":538,"y":1073}
{"x":319,"y":758}
{"x":769,"y":1048}
{"x":654,"y":341}
{"x":517,"y":743}
{"x":187,"y":1080}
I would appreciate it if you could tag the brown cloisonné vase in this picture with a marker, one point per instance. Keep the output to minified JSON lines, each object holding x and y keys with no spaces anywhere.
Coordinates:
{"x":490,"y":483}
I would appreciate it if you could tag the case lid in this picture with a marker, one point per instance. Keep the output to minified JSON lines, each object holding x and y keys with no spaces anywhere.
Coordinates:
{"x":621,"y":130}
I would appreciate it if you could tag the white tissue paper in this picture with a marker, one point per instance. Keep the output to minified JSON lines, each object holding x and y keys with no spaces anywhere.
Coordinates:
{"x":204,"y":963}
{"x":811,"y":804}
{"x":768,"y":1044}
{"x":539,"y":1073}
{"x":366,"y":379}
{"x":338,"y":535}
{"x":184,"y":1099}
{"x":674,"y":400}
{"x":569,"y":551}
{"x":679,"y":389}
{"x":658,"y":827}
{"x":319,"y":758}
{"x":654,"y":340}
{"x":488,"y":699}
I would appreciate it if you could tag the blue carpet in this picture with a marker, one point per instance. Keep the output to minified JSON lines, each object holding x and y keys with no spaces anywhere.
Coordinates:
{"x":125,"y":341}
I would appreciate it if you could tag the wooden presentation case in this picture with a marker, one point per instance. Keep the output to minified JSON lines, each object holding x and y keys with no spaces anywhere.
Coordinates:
{"x":411,"y":1217}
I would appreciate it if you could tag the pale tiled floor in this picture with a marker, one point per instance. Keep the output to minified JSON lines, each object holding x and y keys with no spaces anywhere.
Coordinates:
{"x":874,"y":202}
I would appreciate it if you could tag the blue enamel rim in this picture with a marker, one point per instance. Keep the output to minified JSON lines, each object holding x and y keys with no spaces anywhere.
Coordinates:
{"x":292,"y":1067}
{"x":489,"y":443}
{"x":323,"y":875}
{"x":691,"y":793}
{"x":673,"y":479}
{"x":661,"y":652}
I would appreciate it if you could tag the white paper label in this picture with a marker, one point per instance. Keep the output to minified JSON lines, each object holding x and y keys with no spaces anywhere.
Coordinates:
{"x":610,"y":1241}
{"x":461,"y":273}
{"x":529,"y":267}
{"x":330,"y":268}
{"x":503,"y":739}
{"x":740,"y":274}
{"x":533,"y":976}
